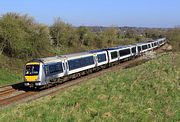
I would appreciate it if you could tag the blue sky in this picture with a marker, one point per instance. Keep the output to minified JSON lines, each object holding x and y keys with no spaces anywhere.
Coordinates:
{"x":143,"y":13}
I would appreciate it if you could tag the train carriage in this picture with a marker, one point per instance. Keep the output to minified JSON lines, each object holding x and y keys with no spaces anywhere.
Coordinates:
{"x":101,"y":57}
{"x":144,"y":47}
{"x":149,"y":46}
{"x":125,"y":52}
{"x":113,"y":54}
{"x":134,"y":50}
{"x":140,"y":47}
{"x":162,"y":41}
{"x":155,"y":44}
{"x":79,"y":62}
{"x":41,"y":71}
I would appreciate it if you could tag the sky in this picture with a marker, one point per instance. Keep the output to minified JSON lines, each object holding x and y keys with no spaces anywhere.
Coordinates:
{"x":136,"y":13}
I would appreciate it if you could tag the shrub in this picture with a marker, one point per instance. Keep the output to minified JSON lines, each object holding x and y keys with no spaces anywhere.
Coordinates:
{"x":173,"y":36}
{"x":63,"y":34}
{"x":21,"y":37}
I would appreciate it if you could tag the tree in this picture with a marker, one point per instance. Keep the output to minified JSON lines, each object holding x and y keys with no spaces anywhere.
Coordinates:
{"x":63,"y":34}
{"x":173,"y":35}
{"x":21,"y":37}
{"x":111,"y":35}
{"x":83,"y":34}
{"x":2,"y":41}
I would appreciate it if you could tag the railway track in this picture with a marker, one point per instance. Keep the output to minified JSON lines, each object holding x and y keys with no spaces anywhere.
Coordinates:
{"x":17,"y":93}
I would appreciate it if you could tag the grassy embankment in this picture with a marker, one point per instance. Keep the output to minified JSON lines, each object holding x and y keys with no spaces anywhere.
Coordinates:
{"x":149,"y":92}
{"x":10,"y":71}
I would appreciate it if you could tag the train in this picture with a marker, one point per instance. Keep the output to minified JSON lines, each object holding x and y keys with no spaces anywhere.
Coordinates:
{"x":58,"y":69}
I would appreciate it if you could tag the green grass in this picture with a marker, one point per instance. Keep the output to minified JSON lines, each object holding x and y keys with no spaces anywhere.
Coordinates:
{"x":149,"y":92}
{"x":11,"y":70}
{"x":9,"y":77}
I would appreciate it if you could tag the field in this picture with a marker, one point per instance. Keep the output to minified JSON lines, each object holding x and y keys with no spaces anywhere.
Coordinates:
{"x":148,"y":92}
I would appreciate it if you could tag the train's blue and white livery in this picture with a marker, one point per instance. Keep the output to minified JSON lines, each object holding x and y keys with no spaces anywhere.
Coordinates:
{"x":45,"y":71}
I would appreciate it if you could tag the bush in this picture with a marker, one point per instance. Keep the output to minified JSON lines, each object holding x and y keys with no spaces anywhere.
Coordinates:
{"x":21,"y":37}
{"x":63,"y":34}
{"x":173,"y":36}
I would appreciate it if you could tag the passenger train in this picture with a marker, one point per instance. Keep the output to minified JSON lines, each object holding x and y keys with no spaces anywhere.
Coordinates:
{"x":58,"y":69}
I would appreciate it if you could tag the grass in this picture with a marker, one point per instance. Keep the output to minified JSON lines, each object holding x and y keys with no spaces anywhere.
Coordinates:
{"x":149,"y":92}
{"x":9,"y":77}
{"x":11,"y":70}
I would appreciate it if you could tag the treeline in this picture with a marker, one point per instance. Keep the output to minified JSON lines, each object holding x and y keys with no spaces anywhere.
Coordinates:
{"x":64,"y":34}
{"x":22,"y":37}
{"x":173,"y":35}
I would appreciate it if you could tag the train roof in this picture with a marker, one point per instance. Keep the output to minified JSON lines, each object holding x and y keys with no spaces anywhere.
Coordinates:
{"x":60,"y":58}
{"x":122,"y":46}
{"x":76,"y":54}
{"x":96,"y":51}
{"x":119,"y":47}
{"x":48,"y":59}
{"x":142,"y":43}
{"x":126,"y":46}
{"x":150,"y":41}
{"x":112,"y":48}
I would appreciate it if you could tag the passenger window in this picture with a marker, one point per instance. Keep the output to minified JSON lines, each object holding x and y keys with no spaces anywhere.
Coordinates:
{"x":124,"y":52}
{"x":101,"y":57}
{"x":80,"y":62}
{"x":114,"y":55}
{"x":134,"y":50}
{"x":55,"y":68}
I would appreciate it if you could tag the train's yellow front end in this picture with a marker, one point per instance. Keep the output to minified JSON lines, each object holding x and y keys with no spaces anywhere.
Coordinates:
{"x":32,"y":73}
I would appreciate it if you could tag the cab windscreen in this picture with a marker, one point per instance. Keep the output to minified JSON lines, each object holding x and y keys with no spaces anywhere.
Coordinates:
{"x":32,"y":70}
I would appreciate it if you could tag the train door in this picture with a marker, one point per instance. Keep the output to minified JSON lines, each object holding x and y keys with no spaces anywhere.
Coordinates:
{"x":66,"y":67}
